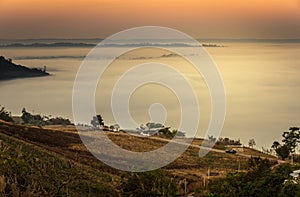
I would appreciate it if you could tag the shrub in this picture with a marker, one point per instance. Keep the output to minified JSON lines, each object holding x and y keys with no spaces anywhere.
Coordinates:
{"x":5,"y":115}
{"x":153,"y":183}
{"x":260,"y":180}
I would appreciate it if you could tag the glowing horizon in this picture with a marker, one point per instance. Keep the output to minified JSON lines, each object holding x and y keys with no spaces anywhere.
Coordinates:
{"x":200,"y":19}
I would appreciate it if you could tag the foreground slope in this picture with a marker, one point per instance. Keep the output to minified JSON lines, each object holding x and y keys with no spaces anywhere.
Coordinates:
{"x":65,"y":149}
{"x":28,"y":170}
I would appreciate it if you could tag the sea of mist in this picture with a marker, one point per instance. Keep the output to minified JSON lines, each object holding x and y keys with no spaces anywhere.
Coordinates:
{"x":261,"y":80}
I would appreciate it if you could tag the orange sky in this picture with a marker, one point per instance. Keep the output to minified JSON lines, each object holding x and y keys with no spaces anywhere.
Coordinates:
{"x":100,"y":18}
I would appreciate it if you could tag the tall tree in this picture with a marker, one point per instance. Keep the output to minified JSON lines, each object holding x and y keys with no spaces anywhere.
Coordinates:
{"x":291,"y":138}
{"x":97,"y":121}
{"x":275,"y":145}
{"x":212,"y":139}
{"x":32,"y":119}
{"x":100,"y":120}
{"x":5,"y":115}
{"x":282,"y":151}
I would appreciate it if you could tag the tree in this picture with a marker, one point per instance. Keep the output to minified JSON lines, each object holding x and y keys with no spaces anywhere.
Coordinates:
{"x":283,"y":151}
{"x":290,"y":188}
{"x":291,"y":138}
{"x":117,"y":127}
{"x":112,"y":128}
{"x":58,"y":121}
{"x":275,"y":145}
{"x":167,"y":132}
{"x":152,"y":183}
{"x":212,"y":138}
{"x":226,"y":141}
{"x":259,"y":180}
{"x":258,"y":166}
{"x":100,"y":120}
{"x":179,"y":133}
{"x":31,"y":119}
{"x":251,"y":143}
{"x":97,"y":121}
{"x":152,"y":125}
{"x":94,"y":122}
{"x":5,"y":115}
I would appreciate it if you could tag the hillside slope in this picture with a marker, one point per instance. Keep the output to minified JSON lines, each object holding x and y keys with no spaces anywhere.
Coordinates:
{"x":67,"y":146}
{"x":28,"y":170}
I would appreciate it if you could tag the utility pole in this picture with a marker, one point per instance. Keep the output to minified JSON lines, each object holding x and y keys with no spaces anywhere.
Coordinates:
{"x":208,"y":175}
{"x":185,"y":184}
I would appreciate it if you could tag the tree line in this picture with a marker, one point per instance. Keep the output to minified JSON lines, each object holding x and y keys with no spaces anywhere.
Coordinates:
{"x":34,"y":119}
{"x":290,"y":141}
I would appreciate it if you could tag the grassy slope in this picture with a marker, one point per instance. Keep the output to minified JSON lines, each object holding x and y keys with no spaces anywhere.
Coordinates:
{"x":66,"y":147}
{"x":27,"y":170}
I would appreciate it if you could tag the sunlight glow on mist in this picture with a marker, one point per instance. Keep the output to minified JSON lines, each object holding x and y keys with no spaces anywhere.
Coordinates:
{"x":100,"y":18}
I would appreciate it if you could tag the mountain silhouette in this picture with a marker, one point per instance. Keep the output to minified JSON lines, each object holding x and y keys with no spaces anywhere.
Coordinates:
{"x":9,"y":70}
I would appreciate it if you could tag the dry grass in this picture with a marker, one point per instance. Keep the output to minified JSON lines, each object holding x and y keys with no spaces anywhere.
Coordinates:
{"x":256,"y":153}
{"x":65,"y":141}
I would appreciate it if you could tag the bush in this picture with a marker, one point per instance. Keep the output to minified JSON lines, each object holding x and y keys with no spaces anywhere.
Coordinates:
{"x":28,"y":118}
{"x":283,"y":151}
{"x":290,"y":189}
{"x":296,"y":158}
{"x":167,"y":133}
{"x":5,"y":115}
{"x":153,"y":183}
{"x":260,"y":180}
{"x":58,"y":121}
{"x":226,"y":141}
{"x":39,"y":120}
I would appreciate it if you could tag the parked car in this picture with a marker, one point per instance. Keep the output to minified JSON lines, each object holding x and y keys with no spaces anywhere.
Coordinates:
{"x":144,"y":134}
{"x":231,"y":151}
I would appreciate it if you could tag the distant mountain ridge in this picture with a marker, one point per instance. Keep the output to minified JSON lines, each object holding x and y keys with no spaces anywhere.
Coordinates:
{"x":9,"y":70}
{"x":92,"y":42}
{"x":57,"y":44}
{"x":109,"y":44}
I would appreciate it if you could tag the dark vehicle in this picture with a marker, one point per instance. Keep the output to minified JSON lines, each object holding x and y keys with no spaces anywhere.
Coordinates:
{"x":231,"y":151}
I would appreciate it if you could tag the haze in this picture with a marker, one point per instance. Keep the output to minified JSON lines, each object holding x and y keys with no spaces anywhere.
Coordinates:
{"x":100,"y":18}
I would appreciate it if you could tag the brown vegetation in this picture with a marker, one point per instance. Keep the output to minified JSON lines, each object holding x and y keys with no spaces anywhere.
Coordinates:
{"x":66,"y":142}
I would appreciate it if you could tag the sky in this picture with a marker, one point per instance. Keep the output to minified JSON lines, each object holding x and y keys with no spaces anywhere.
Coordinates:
{"x":21,"y":19}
